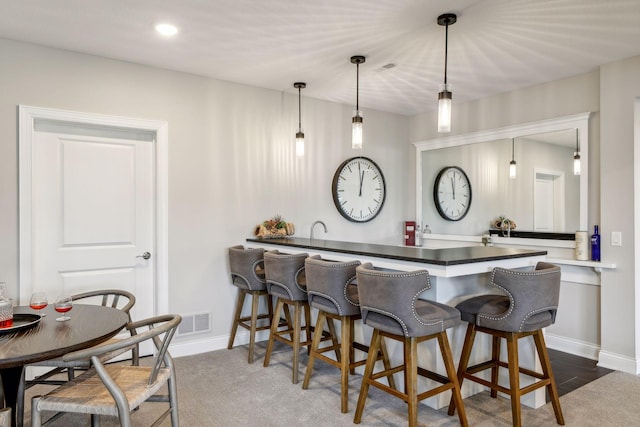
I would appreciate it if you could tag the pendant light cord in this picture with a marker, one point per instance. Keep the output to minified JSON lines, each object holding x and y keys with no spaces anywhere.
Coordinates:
{"x":577,"y":142}
{"x":357,"y":85}
{"x":446,"y":49}
{"x":299,"y":111}
{"x":513,"y":142}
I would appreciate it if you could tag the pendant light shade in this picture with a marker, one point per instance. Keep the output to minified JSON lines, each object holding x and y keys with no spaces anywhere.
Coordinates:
{"x":576,"y":156}
{"x":356,"y":121}
{"x":299,"y":133}
{"x":512,"y":163}
{"x":444,"y":96}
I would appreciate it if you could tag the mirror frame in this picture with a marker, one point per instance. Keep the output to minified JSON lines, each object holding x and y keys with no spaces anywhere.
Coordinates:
{"x":579,"y":121}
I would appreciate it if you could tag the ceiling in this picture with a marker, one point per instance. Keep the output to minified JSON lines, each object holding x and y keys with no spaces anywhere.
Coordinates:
{"x":496,"y":45}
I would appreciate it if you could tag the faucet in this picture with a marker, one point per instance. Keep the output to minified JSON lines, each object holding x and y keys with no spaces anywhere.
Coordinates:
{"x":313,"y":225}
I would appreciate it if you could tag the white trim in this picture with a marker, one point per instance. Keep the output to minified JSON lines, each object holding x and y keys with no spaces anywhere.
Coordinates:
{"x":571,"y":346}
{"x":618,"y":362}
{"x":579,"y":121}
{"x":188,"y":348}
{"x":27,"y":115}
{"x":636,"y":216}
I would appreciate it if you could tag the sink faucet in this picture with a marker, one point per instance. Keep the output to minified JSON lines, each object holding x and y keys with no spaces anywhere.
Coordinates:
{"x":313,"y":225}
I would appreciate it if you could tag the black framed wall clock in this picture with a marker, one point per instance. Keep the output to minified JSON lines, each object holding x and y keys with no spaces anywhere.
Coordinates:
{"x":358,"y":189}
{"x":452,"y":193}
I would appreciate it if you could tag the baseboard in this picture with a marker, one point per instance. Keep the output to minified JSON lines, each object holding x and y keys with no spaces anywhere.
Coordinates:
{"x":571,"y":346}
{"x":219,"y":342}
{"x":618,"y":362}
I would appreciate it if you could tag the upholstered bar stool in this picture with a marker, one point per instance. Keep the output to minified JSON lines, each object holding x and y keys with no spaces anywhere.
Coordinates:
{"x":332,"y":290}
{"x":286,"y":281}
{"x":389,"y":303}
{"x":247,"y":273}
{"x":530,"y":304}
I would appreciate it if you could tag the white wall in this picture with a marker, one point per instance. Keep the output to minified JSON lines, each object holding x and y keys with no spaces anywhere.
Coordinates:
{"x":231,"y":162}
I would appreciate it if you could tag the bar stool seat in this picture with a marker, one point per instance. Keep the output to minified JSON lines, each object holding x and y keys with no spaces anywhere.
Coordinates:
{"x":530,"y":304}
{"x":389,"y":303}
{"x":247,"y":274}
{"x":332,"y":289}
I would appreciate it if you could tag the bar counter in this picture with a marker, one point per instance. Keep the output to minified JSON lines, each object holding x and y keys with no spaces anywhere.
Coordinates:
{"x":456,"y":274}
{"x":446,"y":262}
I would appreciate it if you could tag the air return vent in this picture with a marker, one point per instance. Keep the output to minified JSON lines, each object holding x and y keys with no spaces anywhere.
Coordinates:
{"x":194,"y":323}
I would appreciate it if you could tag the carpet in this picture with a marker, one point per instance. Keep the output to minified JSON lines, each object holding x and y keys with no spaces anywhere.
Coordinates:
{"x":221,"y":389}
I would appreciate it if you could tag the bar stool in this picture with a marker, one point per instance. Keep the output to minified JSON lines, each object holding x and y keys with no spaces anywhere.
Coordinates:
{"x":531,"y":304}
{"x":389,"y":303}
{"x":332,"y":289}
{"x":286,"y":281}
{"x":247,"y":273}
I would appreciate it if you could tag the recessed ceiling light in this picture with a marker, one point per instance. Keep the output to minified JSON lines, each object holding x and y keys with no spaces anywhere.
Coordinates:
{"x":167,"y":30}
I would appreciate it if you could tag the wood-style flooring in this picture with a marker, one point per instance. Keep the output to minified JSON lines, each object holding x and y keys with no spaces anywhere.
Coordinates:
{"x":572,"y":371}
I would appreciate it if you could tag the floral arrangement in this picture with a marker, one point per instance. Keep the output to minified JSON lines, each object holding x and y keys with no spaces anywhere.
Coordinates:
{"x":274,"y":227}
{"x":504,"y":223}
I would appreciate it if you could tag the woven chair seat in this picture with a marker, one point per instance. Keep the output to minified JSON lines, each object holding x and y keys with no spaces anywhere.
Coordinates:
{"x":118,"y":389}
{"x":87,"y":393}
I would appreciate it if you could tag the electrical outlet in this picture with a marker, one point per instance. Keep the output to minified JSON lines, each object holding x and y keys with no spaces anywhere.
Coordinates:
{"x":616,"y":238}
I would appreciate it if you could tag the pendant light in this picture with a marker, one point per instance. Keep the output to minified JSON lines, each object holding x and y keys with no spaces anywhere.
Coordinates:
{"x":512,"y":163}
{"x":444,"y":97}
{"x":299,"y":134}
{"x":356,"y":121}
{"x":576,"y":156}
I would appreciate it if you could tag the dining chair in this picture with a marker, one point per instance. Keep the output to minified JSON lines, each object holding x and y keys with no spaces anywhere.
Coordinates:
{"x":529,"y":304}
{"x":403,"y":316}
{"x":332,"y":289}
{"x":248,"y":275}
{"x":114,"y":298}
{"x":118,"y":389}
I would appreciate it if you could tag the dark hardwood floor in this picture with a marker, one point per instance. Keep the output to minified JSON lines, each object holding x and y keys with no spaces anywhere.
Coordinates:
{"x":572,"y":371}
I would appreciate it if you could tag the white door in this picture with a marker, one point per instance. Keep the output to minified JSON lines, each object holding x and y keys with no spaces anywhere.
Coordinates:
{"x":93,"y":215}
{"x":543,"y":201}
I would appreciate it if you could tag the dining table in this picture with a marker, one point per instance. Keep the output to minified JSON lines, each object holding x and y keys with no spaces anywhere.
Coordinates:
{"x":38,"y":336}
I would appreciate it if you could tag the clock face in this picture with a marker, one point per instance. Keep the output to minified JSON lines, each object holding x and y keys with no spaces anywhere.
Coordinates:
{"x":358,"y":189}
{"x":452,"y":193}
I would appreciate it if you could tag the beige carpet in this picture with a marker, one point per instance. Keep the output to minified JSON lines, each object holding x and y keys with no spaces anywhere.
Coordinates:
{"x":220,"y":389}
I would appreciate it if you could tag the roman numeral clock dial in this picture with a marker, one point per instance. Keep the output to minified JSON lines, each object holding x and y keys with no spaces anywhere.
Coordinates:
{"x":358,"y":189}
{"x":452,"y":193}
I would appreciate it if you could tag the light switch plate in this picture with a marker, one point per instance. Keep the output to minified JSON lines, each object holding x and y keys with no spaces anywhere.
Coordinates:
{"x":616,"y":238}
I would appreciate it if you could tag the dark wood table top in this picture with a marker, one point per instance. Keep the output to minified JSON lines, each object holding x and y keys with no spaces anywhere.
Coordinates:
{"x":445,"y":256}
{"x":89,"y":326}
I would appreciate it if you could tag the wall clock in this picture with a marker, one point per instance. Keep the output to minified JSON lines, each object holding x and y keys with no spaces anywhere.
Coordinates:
{"x":452,"y":193}
{"x":358,"y":189}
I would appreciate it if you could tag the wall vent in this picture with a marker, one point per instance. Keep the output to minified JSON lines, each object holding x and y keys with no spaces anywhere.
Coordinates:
{"x":194,"y":323}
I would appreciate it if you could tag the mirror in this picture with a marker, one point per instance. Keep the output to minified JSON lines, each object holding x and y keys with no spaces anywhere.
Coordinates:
{"x":545,"y":196}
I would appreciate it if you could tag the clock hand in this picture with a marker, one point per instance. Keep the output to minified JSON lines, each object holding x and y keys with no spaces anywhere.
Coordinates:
{"x":361,"y":179}
{"x":453,"y":188}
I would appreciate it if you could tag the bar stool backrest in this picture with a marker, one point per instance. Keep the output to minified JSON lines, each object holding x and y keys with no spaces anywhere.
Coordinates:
{"x":331,"y":285}
{"x":533,"y":299}
{"x":247,"y":268}
{"x":388,"y":299}
{"x":285,"y":275}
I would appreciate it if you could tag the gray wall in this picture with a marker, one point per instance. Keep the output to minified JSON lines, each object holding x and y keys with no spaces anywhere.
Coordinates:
{"x":620,"y":86}
{"x":231,"y":161}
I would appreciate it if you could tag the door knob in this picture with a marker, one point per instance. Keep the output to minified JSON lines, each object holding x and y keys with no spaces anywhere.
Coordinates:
{"x":145,"y":255}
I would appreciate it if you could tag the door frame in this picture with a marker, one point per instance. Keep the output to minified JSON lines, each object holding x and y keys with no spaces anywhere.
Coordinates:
{"x":27,"y":116}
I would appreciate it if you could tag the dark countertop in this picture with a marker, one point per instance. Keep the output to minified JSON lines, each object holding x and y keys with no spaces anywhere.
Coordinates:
{"x":445,"y":256}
